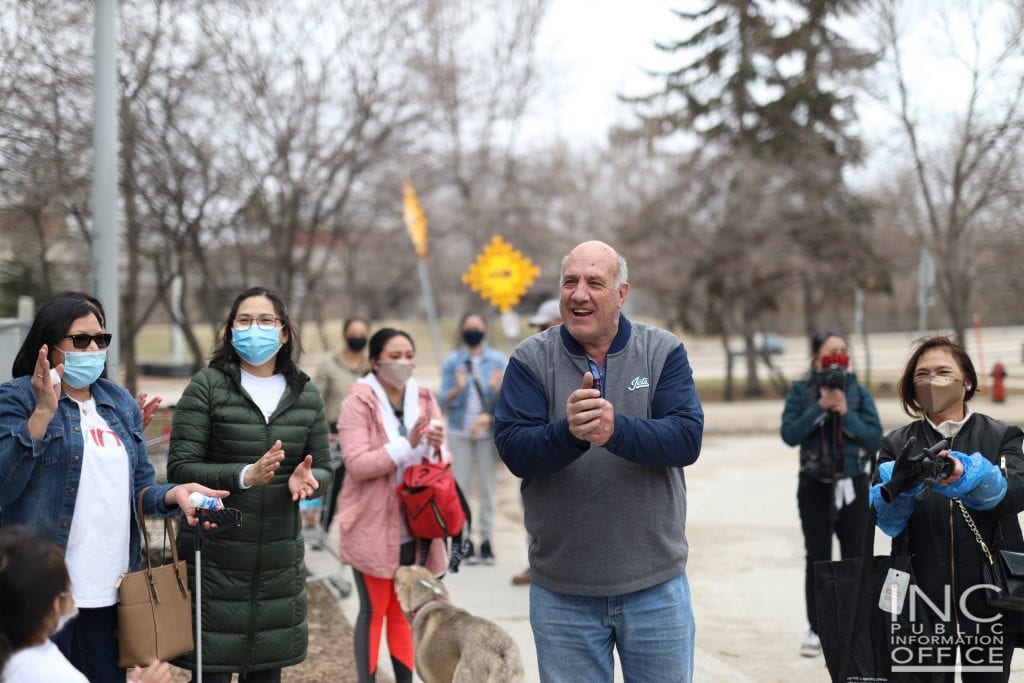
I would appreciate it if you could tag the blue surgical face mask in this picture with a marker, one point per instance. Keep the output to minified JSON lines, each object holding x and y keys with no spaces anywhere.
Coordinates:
{"x":256,"y":346}
{"x":82,"y":368}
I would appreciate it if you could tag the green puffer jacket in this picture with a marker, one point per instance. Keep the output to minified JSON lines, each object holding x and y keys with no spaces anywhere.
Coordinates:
{"x":253,"y":578}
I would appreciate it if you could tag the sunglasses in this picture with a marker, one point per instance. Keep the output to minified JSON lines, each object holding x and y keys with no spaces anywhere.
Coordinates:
{"x":81,"y":341}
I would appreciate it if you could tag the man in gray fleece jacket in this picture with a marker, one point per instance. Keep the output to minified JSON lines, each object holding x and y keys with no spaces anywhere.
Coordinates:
{"x":598,"y":416}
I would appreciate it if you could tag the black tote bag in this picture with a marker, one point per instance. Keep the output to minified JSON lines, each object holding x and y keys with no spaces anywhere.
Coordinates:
{"x":858,"y":637}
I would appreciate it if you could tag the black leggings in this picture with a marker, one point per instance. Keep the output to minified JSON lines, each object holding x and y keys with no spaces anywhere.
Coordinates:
{"x":337,"y":478}
{"x":819,"y":520}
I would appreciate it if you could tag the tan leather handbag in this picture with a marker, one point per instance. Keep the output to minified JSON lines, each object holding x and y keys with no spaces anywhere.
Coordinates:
{"x":154,"y":610}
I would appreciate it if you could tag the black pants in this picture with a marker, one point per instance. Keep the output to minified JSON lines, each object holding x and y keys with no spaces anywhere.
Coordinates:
{"x":337,"y":477}
{"x":819,"y":520}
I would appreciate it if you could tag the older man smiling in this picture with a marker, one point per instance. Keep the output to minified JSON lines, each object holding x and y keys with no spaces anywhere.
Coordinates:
{"x":599,"y":416}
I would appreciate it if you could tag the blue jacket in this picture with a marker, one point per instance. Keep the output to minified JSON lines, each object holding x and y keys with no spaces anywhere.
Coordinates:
{"x":39,"y":478}
{"x":456,"y":408}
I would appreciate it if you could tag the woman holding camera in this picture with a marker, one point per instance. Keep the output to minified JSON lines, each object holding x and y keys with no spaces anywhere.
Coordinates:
{"x":832,"y":418}
{"x":983,"y":491}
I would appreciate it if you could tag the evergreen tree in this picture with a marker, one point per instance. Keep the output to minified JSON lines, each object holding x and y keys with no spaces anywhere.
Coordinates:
{"x":760,"y":98}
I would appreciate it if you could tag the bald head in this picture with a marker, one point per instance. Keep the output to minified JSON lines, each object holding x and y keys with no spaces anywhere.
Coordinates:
{"x":598,"y":253}
{"x":593,"y":290}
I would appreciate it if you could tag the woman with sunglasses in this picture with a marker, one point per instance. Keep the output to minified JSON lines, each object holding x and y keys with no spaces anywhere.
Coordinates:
{"x":73,"y":462}
{"x":940,"y":523}
{"x":253,"y":423}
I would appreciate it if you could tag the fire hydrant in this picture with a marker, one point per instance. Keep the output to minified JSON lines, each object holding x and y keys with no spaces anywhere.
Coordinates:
{"x":998,"y":383}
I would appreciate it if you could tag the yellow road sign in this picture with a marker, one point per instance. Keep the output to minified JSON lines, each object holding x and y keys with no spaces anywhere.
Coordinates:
{"x":501,"y":274}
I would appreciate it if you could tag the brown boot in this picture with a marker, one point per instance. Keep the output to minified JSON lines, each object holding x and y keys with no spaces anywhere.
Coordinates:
{"x":522,"y":578}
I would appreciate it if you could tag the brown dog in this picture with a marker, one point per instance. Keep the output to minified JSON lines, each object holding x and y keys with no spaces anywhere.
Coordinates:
{"x":451,"y":644}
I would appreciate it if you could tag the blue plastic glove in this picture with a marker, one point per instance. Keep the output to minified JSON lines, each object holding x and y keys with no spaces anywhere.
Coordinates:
{"x":980,"y":487}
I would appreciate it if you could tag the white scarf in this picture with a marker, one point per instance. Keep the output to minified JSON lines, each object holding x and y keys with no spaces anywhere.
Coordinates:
{"x":410,"y":405}
{"x":410,"y":413}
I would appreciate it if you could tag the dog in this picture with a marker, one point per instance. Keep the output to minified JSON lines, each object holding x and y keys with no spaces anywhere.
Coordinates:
{"x":452,"y":645}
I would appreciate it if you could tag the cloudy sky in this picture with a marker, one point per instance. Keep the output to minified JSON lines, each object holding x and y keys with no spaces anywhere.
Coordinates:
{"x":598,"y":48}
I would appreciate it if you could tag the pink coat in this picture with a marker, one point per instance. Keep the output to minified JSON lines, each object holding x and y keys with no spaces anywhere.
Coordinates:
{"x":368,"y":510}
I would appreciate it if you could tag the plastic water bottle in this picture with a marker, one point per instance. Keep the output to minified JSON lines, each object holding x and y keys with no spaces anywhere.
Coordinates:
{"x":198,"y":500}
{"x":309,"y":508}
{"x":437,"y":424}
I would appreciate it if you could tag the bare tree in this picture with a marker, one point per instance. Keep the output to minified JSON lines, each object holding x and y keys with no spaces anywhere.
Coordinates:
{"x":963,"y":170}
{"x":44,"y":137}
{"x":479,"y":68}
{"x":323,"y":93}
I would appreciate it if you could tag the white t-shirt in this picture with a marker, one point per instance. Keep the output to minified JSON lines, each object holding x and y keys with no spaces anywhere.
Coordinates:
{"x":97,"y":552}
{"x":265,"y":391}
{"x":41,"y":663}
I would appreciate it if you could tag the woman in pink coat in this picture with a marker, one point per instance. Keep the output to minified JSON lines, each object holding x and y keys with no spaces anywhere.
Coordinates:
{"x":385,"y":425}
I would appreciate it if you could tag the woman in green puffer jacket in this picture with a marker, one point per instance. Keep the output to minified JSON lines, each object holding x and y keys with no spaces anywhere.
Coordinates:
{"x":254,"y":423}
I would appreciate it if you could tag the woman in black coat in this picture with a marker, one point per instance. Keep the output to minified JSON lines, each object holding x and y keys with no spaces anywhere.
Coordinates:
{"x":932,"y":523}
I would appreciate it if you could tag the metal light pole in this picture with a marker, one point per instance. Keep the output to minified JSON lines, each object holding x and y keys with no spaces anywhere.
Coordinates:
{"x":104,"y":178}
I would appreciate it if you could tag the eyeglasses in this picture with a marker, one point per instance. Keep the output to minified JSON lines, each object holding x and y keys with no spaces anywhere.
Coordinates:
{"x":81,"y":341}
{"x":264,"y":322}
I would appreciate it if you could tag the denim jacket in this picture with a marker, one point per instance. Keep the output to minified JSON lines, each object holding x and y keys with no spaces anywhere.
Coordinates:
{"x":456,"y":408}
{"x":39,"y":477}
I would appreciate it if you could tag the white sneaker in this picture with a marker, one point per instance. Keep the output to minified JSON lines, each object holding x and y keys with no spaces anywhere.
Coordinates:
{"x":811,"y":647}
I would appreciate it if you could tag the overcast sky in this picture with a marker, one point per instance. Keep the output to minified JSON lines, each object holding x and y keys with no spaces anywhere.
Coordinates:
{"x":598,"y":48}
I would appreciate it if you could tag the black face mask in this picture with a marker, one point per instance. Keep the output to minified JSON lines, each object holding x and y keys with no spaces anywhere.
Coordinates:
{"x":356,"y":344}
{"x":472,"y":337}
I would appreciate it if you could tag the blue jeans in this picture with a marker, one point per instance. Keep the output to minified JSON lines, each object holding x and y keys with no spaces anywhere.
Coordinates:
{"x":652,"y":629}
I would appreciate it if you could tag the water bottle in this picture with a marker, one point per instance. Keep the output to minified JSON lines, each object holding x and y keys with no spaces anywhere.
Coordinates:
{"x":309,"y":508}
{"x":199,"y":501}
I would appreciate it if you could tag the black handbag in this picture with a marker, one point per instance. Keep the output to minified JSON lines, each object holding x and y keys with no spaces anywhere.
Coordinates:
{"x":1001,"y":570}
{"x":857,"y":636}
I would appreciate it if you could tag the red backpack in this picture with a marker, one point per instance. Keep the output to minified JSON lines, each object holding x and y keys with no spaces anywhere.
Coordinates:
{"x":433,"y":505}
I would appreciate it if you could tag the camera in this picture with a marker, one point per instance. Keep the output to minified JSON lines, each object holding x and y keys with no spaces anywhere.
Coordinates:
{"x":833,"y":371}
